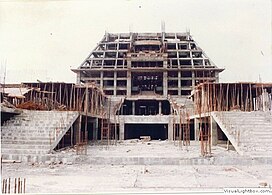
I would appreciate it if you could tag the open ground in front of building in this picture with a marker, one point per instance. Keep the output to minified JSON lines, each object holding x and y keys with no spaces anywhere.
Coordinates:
{"x":142,"y":167}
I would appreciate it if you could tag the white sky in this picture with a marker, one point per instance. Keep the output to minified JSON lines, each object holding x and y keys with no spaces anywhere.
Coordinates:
{"x":44,"y":39}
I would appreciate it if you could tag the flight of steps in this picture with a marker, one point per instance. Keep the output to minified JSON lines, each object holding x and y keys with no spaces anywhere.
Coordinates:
{"x":255,"y":131}
{"x":115,"y":101}
{"x":188,"y":103}
{"x":33,"y":133}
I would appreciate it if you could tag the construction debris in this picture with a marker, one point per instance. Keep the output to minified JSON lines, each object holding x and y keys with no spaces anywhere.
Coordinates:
{"x":30,"y":106}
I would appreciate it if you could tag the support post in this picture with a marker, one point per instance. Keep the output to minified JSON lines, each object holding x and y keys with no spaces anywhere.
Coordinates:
{"x":160,"y":107}
{"x":122,"y":130}
{"x":170,"y":129}
{"x":196,"y":126}
{"x":115,"y":83}
{"x":165,"y":84}
{"x":213,"y":126}
{"x":95,"y":129}
{"x":133,"y":107}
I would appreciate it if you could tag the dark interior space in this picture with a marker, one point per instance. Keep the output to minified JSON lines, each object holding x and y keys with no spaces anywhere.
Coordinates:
{"x":151,"y":81}
{"x":113,"y":133}
{"x":69,"y":139}
{"x":126,"y":108}
{"x":185,"y":127}
{"x":205,"y":126}
{"x":192,"y":130}
{"x":145,"y":107}
{"x":220,"y":134}
{"x":155,"y":131}
{"x":143,"y":48}
{"x":72,"y":135}
{"x":6,"y":116}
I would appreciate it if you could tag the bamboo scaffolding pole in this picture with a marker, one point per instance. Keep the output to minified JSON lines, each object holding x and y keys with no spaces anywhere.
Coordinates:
{"x":250,"y":97}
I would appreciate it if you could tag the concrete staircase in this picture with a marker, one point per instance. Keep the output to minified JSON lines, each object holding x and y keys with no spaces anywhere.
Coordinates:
{"x":188,"y":103}
{"x":115,"y":104}
{"x":249,"y":132}
{"x":34,"y":133}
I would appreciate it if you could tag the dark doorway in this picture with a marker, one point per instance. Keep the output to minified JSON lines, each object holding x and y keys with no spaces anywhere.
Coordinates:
{"x":155,"y":131}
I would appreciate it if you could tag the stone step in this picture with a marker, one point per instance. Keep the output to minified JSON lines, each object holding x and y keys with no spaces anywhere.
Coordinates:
{"x":25,"y":146}
{"x":263,"y":141}
{"x":30,"y":132}
{"x":248,"y":125}
{"x":26,"y":138}
{"x":242,"y":118}
{"x":45,"y":130}
{"x":43,"y":116}
{"x":257,"y":146}
{"x":35,"y":134}
{"x":38,"y":123}
{"x":39,"y":142}
{"x":34,"y":158}
{"x":24,"y":151}
{"x":259,"y":153}
{"x":262,"y":134}
{"x":242,"y":127}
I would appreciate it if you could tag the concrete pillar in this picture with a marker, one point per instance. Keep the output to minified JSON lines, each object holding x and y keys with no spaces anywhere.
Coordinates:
{"x":101,"y":79}
{"x":160,"y":107}
{"x":193,"y":79}
{"x":165,"y":84}
{"x":216,"y":77}
{"x":115,"y":83}
{"x":128,"y":83}
{"x":122,"y":130}
{"x":170,"y":129}
{"x":213,"y":127}
{"x":78,"y":78}
{"x":179,"y":83}
{"x":196,"y":124}
{"x":133,"y":107}
{"x":95,"y":129}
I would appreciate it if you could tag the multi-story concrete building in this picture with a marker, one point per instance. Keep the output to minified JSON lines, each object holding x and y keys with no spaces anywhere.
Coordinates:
{"x":148,"y":73}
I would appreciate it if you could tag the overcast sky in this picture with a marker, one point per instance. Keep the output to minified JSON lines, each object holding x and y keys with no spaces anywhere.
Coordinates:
{"x":45,"y":39}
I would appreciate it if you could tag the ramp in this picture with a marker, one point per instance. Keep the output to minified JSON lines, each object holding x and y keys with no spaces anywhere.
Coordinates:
{"x":249,"y":132}
{"x":34,"y":133}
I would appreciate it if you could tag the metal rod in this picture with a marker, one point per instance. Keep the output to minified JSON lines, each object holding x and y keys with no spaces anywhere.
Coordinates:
{"x":24,"y":184}
{"x":15,"y":185}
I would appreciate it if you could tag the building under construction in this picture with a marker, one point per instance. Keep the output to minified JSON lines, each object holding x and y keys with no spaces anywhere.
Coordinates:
{"x":159,"y":86}
{"x":147,"y":74}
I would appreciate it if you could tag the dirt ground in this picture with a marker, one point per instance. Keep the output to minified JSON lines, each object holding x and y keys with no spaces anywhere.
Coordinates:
{"x":84,"y":177}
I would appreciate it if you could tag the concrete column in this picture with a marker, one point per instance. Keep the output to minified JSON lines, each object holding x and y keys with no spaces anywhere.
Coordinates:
{"x":213,"y":127}
{"x":101,"y":79}
{"x":191,"y":56}
{"x":179,"y":83}
{"x":95,"y":129}
{"x":78,"y":78}
{"x":216,"y":77}
{"x":115,"y":83}
{"x":128,"y":83}
{"x":165,"y":84}
{"x":133,"y":107}
{"x":170,"y":129}
{"x":196,"y":124}
{"x":160,"y":107}
{"x":122,"y":130}
{"x":193,"y":79}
